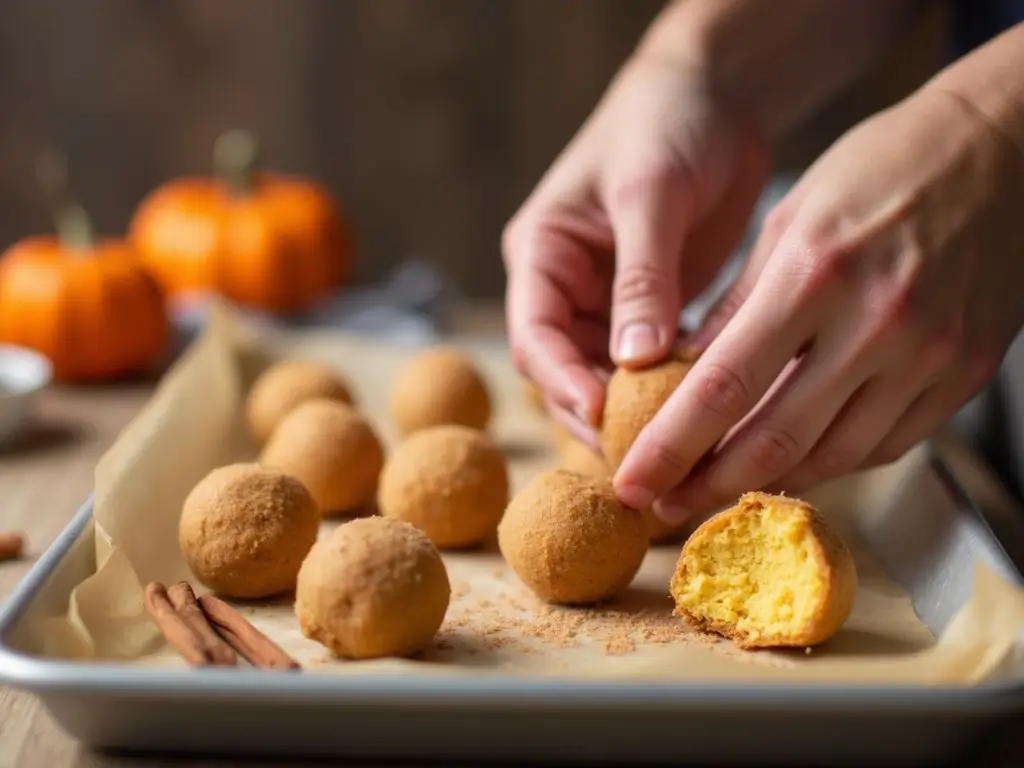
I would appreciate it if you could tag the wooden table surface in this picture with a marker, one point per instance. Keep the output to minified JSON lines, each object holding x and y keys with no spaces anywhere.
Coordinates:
{"x":43,"y":482}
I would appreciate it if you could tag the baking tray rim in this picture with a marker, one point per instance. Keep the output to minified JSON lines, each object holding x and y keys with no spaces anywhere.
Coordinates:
{"x":499,"y":691}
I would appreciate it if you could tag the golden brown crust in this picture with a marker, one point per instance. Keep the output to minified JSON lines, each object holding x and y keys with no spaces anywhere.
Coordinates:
{"x":451,"y":482}
{"x":244,"y":530}
{"x":333,"y":450}
{"x":569,"y":539}
{"x":437,"y":387}
{"x":833,"y":559}
{"x":633,"y":398}
{"x":375,"y":587}
{"x":285,"y":385}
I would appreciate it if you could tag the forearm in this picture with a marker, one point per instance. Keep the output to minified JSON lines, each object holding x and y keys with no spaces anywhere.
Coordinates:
{"x":777,"y":60}
{"x":990,"y":82}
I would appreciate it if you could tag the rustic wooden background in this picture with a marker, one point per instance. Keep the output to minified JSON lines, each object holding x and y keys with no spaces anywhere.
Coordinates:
{"x":430,"y":119}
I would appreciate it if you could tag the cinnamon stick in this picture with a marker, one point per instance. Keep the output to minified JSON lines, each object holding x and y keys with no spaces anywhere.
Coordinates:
{"x":257,"y":648}
{"x":176,"y":631}
{"x":12,"y":544}
{"x":184,"y":601}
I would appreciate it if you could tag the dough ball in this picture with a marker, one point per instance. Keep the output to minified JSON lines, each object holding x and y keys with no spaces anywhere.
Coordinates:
{"x":282,"y":386}
{"x":578,"y":457}
{"x":633,"y":398}
{"x":769,"y":572}
{"x":333,"y":450}
{"x":439,"y":386}
{"x":451,"y":482}
{"x":244,"y":530}
{"x":569,"y":539}
{"x":375,"y":587}
{"x":581,"y":458}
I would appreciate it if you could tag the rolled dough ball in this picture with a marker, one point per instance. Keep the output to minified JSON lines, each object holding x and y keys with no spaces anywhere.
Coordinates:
{"x":633,"y":398}
{"x":284,"y":385}
{"x":769,"y":572}
{"x":333,"y":450}
{"x":439,"y":386}
{"x":244,"y":530}
{"x":451,"y":482}
{"x":375,"y":587}
{"x":578,"y":457}
{"x":569,"y":539}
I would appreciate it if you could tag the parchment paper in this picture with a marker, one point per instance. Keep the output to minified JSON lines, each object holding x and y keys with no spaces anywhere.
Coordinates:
{"x":93,"y":608}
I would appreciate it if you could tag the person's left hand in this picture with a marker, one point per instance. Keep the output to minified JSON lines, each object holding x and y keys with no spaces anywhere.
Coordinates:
{"x":881,"y":296}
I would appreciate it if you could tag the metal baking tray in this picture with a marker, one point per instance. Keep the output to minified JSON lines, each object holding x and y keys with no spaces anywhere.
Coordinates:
{"x":938,"y":521}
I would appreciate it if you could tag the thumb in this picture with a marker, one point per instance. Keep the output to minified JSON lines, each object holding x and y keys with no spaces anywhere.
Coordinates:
{"x":650,"y":218}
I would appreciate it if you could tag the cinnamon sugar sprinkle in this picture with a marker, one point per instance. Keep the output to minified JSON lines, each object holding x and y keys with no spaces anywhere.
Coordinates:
{"x":521,"y":622}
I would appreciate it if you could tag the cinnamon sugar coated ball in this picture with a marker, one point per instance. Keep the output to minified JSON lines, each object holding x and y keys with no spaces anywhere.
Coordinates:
{"x":244,"y":530}
{"x":769,"y":572}
{"x":577,"y":457}
{"x":633,"y":398}
{"x":375,"y":587}
{"x":284,"y":385}
{"x":569,"y":539}
{"x":451,"y":482}
{"x":439,"y":386}
{"x":333,"y":450}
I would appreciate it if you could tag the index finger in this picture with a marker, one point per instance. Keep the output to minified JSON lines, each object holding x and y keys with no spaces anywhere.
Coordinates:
{"x":726,"y":382}
{"x":540,"y":307}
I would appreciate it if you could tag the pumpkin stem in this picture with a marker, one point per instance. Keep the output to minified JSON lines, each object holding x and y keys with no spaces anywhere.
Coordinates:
{"x":235,"y":155}
{"x":73,"y":225}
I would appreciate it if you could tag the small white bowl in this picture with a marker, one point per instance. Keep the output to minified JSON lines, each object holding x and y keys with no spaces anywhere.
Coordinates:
{"x":23,"y":374}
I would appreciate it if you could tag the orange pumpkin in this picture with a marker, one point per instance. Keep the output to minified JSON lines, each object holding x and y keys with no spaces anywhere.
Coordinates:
{"x":87,"y":304}
{"x":261,"y":239}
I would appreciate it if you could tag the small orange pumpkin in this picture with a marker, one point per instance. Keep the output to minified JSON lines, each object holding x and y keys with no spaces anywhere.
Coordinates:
{"x":87,"y":304}
{"x":261,"y":239}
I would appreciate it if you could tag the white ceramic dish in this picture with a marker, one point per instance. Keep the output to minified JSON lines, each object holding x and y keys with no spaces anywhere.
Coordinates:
{"x":23,"y":374}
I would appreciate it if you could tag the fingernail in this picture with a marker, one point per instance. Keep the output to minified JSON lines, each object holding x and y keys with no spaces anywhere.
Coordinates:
{"x":634,"y":497}
{"x":637,"y":341}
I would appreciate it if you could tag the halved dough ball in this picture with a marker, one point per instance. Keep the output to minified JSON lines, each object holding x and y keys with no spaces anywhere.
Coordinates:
{"x":769,"y":572}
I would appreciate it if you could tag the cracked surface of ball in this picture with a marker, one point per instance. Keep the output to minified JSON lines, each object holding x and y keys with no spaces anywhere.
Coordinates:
{"x":244,"y":530}
{"x":569,"y":539}
{"x":333,"y":450}
{"x":451,"y":482}
{"x":283,"y":386}
{"x":439,"y":386}
{"x":375,"y":587}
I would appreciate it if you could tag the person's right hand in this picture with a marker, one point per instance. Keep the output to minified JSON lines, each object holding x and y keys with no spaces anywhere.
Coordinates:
{"x":633,"y":220}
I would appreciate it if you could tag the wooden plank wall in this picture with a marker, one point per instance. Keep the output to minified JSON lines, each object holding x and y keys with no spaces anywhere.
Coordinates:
{"x":431,"y":119}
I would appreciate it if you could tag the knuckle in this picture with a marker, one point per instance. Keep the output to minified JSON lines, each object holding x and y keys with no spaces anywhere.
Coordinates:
{"x":774,"y":449}
{"x":944,"y":348}
{"x":669,"y":456}
{"x":833,"y":461}
{"x":640,"y":185}
{"x":638,"y":282}
{"x":723,"y":391}
{"x":821,"y":262}
{"x":887,"y":453}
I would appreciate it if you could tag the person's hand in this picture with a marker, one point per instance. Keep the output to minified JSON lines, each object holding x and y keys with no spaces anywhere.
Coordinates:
{"x":880,"y":297}
{"x":633,"y":220}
